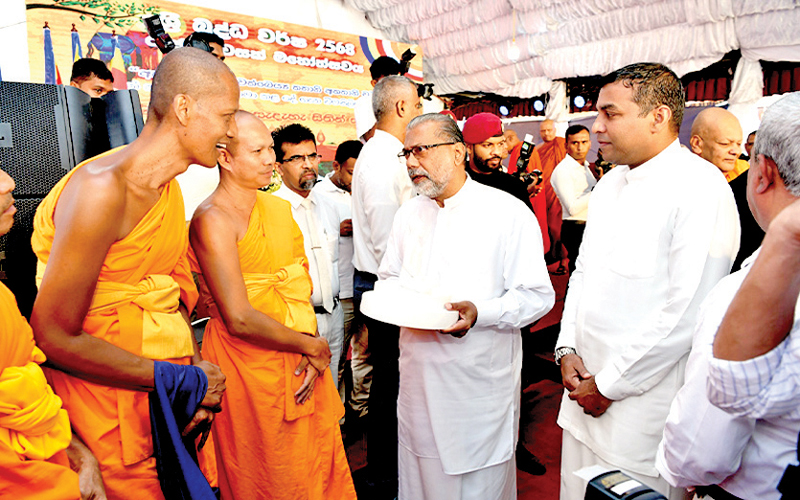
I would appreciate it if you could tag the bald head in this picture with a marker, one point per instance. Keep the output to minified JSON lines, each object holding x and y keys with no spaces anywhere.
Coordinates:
{"x":511,"y":138}
{"x":717,"y":137}
{"x":547,"y":130}
{"x":247,"y":124}
{"x":188,"y":71}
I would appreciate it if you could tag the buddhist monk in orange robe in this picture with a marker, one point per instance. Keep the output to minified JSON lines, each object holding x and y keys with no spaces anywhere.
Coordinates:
{"x":114,"y":279}
{"x":551,"y":152}
{"x":36,"y":443}
{"x":278,"y":434}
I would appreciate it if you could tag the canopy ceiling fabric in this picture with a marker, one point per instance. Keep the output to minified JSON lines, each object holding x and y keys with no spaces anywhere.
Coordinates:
{"x":465,"y":42}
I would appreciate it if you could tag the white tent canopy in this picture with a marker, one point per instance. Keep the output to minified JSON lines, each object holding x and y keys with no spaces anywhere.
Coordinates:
{"x":466,"y":43}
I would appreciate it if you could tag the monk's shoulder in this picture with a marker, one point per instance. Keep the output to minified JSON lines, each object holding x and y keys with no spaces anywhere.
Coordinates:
{"x":103,"y":189}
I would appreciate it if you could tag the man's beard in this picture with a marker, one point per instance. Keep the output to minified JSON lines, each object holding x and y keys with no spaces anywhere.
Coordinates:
{"x":483,"y":165}
{"x":307,"y":184}
{"x":429,"y":187}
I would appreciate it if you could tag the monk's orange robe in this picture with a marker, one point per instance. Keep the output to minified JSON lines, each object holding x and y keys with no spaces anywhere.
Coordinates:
{"x":143,"y":279}
{"x":738,"y":169}
{"x":551,"y":153}
{"x":34,"y":429}
{"x":267,"y":446}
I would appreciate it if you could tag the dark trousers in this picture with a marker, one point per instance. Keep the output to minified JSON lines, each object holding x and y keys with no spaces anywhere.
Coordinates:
{"x":571,"y":237}
{"x":382,"y":416}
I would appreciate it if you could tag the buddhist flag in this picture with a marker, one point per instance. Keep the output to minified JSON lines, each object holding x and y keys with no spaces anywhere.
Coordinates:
{"x":77,"y":51}
{"x":118,"y":67}
{"x":58,"y":76}
{"x":49,"y":57}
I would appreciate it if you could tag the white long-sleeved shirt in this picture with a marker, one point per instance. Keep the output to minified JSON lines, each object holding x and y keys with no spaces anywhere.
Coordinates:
{"x":459,"y":397}
{"x":327,"y":219}
{"x":704,"y":445}
{"x":380,"y":185}
{"x":766,"y":386}
{"x":573,"y":184}
{"x":658,"y":238}
{"x":342,"y":200}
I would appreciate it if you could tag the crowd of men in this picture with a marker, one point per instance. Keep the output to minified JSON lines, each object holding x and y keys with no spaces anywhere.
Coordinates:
{"x":675,"y":372}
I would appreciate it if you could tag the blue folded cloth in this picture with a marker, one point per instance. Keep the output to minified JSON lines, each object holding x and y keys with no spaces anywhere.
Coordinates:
{"x":179,"y":390}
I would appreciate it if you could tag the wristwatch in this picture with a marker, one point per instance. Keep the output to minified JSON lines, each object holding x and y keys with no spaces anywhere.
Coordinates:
{"x":563,"y":351}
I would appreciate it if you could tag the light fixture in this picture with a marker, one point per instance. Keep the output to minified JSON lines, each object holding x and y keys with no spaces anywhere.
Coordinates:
{"x":538,"y":105}
{"x":579,"y":101}
{"x":503,"y":110}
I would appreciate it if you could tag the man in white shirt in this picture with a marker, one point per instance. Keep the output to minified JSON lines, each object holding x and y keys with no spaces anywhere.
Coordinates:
{"x":337,"y":186}
{"x":753,"y":373}
{"x":380,"y":186}
{"x":655,"y":244}
{"x":573,"y":181}
{"x":318,"y":218}
{"x":381,"y":67}
{"x":458,"y":407}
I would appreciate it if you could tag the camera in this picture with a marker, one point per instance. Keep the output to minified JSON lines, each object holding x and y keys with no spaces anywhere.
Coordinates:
{"x":533,"y":177}
{"x":165,"y":43}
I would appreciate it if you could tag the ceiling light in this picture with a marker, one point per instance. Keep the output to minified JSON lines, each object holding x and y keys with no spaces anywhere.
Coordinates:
{"x":580,"y":101}
{"x":538,"y":105}
{"x":503,"y":110}
{"x":513,"y":52}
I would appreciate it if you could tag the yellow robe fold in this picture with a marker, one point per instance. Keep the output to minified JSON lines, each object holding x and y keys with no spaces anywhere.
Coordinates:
{"x":135,"y":307}
{"x":34,"y":429}
{"x":267,"y":446}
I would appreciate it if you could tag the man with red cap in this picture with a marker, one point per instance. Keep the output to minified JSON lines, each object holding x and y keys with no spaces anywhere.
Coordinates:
{"x":486,"y":145}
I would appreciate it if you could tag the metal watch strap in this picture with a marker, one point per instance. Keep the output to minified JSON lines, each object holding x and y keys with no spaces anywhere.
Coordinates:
{"x":563,"y":351}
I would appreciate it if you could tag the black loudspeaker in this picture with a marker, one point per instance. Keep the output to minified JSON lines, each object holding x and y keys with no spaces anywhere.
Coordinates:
{"x":45,"y":131}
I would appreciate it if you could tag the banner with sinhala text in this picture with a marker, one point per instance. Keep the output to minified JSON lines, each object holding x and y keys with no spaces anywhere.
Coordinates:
{"x":287,"y":72}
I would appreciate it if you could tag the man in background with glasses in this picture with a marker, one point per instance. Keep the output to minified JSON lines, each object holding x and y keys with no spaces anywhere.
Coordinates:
{"x":459,"y":402}
{"x":318,"y":218}
{"x":380,"y":185}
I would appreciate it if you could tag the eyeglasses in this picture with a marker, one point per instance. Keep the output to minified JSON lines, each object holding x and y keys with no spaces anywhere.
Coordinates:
{"x":313,"y":158}
{"x":421,"y":150}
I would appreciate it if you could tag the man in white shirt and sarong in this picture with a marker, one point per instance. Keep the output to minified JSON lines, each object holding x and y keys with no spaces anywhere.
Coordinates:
{"x":662,"y":230}
{"x":458,"y":408}
{"x":573,"y":181}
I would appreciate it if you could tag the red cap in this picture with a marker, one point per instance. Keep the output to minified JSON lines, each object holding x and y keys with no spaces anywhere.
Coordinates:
{"x":482,"y":126}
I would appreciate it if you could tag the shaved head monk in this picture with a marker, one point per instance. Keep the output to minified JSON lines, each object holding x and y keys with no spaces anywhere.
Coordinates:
{"x":37,"y":450}
{"x":278,"y":434}
{"x":115,"y":283}
{"x":551,"y":152}
{"x":717,"y":138}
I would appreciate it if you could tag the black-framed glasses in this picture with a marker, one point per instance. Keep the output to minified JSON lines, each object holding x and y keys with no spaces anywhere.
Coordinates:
{"x":421,"y":150}
{"x":313,"y":158}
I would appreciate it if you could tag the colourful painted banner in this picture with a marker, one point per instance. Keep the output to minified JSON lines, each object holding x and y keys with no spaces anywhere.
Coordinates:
{"x":287,"y":72}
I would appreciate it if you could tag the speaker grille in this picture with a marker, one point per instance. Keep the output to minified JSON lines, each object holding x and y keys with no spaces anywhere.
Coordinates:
{"x":19,"y":265}
{"x":35,"y":162}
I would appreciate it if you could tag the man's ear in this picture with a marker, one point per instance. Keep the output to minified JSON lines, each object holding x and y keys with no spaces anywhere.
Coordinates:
{"x":401,"y":108}
{"x":768,"y":174}
{"x":696,"y":144}
{"x":460,"y":153}
{"x":225,"y":159}
{"x":335,"y":166}
{"x":182,"y":106}
{"x":662,"y":116}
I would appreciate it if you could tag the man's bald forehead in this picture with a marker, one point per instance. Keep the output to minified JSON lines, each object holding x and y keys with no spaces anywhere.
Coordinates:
{"x":246,"y":121}
{"x":712,"y":117}
{"x":189,"y":71}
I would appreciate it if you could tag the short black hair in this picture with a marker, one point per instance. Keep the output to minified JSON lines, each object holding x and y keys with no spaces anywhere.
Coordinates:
{"x":347,"y":150}
{"x":293,"y":133}
{"x":204,"y":37}
{"x":575,"y":129}
{"x":83,"y":69}
{"x":653,"y":85}
{"x":384,"y":66}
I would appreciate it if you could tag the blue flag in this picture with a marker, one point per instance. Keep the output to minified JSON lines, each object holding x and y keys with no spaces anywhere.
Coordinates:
{"x":49,"y":58}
